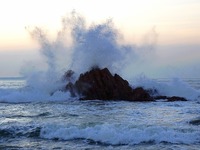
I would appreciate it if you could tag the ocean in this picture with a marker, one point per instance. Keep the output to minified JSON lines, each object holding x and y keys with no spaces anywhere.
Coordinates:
{"x":32,"y":120}
{"x":36,"y":114}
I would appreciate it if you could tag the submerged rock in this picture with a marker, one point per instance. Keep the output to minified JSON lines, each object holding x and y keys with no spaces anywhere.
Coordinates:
{"x":100,"y":84}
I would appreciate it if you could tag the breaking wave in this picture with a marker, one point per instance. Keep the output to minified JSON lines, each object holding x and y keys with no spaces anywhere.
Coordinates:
{"x":120,"y":135}
{"x":78,"y":47}
{"x":107,"y":134}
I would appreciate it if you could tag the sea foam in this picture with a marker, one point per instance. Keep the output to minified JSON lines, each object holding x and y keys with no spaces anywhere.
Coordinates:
{"x":120,"y":135}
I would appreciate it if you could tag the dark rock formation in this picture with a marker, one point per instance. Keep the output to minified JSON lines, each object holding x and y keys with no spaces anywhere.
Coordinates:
{"x":139,"y":94}
{"x":175,"y":98}
{"x":170,"y":99}
{"x":102,"y":85}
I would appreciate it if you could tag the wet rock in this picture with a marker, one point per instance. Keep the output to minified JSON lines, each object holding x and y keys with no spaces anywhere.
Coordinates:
{"x":160,"y":97}
{"x":170,"y":99}
{"x":176,"y":98}
{"x":139,"y":94}
{"x":101,"y":84}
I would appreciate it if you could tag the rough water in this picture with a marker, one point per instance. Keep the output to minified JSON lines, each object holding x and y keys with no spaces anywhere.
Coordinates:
{"x":74,"y":124}
{"x":36,"y":114}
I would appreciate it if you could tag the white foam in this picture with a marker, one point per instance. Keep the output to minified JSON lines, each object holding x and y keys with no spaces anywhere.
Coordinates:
{"x":118,"y":134}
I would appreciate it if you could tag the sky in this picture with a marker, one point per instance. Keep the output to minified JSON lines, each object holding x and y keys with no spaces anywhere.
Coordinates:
{"x":176,"y":23}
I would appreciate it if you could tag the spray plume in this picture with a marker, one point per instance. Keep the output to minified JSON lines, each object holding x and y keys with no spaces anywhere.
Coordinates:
{"x":79,"y":47}
{"x":91,"y":45}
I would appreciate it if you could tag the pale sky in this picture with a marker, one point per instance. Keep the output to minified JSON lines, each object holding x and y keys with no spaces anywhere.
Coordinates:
{"x":177,"y":24}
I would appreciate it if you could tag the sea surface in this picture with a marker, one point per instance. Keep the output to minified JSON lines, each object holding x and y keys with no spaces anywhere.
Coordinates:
{"x":28,"y":122}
